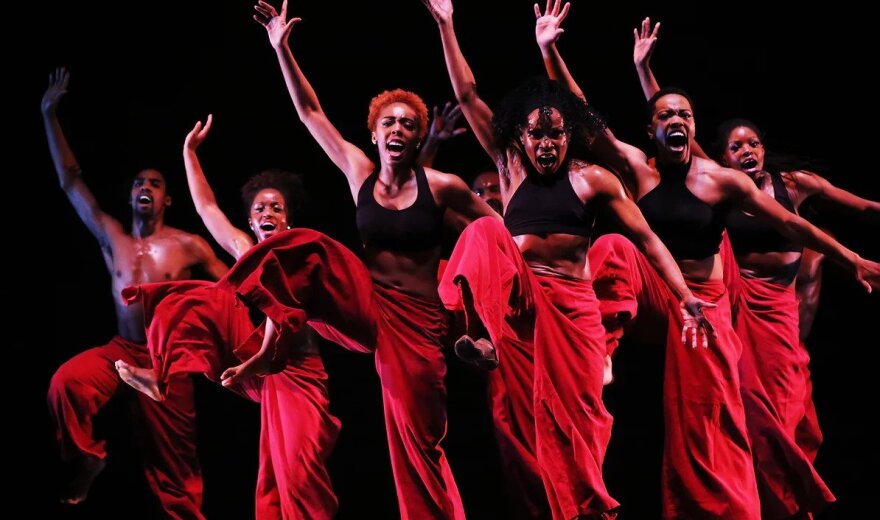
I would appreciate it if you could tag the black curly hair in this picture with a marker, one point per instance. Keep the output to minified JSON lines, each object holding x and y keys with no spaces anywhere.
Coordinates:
{"x":512,"y":113}
{"x":290,"y":185}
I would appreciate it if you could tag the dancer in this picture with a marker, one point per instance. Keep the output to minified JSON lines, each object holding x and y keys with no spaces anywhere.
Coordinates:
{"x":81,"y":387}
{"x":389,"y":301}
{"x":199,"y":328}
{"x":774,"y":367}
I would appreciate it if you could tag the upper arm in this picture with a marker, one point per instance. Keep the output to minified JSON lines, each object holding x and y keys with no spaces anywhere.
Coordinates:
{"x":456,"y":196}
{"x":623,"y":208}
{"x":206,"y":258}
{"x":479,"y":117}
{"x":100,"y":224}
{"x":628,"y":161}
{"x":233,"y":240}
{"x":353,"y":162}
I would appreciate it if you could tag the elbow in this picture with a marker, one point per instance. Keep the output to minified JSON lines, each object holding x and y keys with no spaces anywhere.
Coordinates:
{"x":467,"y":93}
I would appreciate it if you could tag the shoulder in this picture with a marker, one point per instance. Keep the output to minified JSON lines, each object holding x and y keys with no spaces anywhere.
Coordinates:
{"x":440,"y":181}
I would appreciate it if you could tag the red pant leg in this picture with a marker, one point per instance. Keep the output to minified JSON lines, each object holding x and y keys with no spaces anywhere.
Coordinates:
{"x":297,"y":435}
{"x":411,"y":367}
{"x":544,"y":427}
{"x":774,"y":386}
{"x":85,"y":383}
{"x":707,"y":466}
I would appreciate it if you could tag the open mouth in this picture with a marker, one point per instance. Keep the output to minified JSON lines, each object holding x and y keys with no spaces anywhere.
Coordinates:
{"x":144,"y":199}
{"x":268,"y":226}
{"x":395,"y":146}
{"x":676,"y":139}
{"x":749,"y":164}
{"x":546,"y":160}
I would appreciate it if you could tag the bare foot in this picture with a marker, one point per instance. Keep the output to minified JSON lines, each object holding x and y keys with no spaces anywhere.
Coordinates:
{"x":608,"y":374}
{"x":78,"y":488}
{"x":257,"y":365}
{"x":141,"y":379}
{"x":480,"y":353}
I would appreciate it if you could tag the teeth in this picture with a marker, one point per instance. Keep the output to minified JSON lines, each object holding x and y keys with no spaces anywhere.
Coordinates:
{"x":144,"y":199}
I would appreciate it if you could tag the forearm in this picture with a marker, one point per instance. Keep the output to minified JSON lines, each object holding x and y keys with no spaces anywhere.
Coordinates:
{"x":647,"y":80}
{"x":814,"y":238}
{"x":463,"y":82}
{"x":201,"y":192}
{"x":557,"y":70}
{"x":428,"y":152}
{"x":65,"y":162}
{"x":664,"y":264}
{"x":301,"y":92}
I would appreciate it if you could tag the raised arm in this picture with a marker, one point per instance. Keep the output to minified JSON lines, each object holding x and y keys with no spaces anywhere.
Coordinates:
{"x":230,"y":238}
{"x":205,"y":258}
{"x":456,"y":196}
{"x":749,"y":198}
{"x":475,"y":110}
{"x":645,"y":41}
{"x":69,"y":172}
{"x":442,"y":128}
{"x":347,"y":157}
{"x":811,"y":184}
{"x":636,"y":228}
{"x":627,"y":160}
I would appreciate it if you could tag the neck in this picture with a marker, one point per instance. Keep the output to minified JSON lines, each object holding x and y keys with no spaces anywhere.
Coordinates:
{"x":143,"y":227}
{"x":395,"y":175}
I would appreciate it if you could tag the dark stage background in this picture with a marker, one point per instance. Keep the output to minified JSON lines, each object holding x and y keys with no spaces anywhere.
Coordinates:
{"x":142,"y":75}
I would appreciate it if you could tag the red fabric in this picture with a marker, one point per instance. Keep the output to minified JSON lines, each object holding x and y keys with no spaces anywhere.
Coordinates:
{"x":546,"y":394}
{"x":707,"y":464}
{"x":808,"y":434}
{"x":200,"y":328}
{"x":302,"y":276}
{"x":774,"y":389}
{"x":87,"y":381}
{"x":776,"y":392}
{"x":193,"y":327}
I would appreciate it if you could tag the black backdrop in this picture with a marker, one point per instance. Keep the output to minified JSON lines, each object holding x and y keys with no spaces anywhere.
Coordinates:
{"x":142,"y":75}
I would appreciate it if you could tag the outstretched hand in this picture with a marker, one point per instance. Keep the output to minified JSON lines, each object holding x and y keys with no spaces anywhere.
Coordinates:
{"x":696,"y":329}
{"x":444,"y":121}
{"x":547,"y":25}
{"x":197,"y":135}
{"x":58,"y":81}
{"x":868,"y":274}
{"x":645,"y":41}
{"x":277,"y":25}
{"x":441,"y":10}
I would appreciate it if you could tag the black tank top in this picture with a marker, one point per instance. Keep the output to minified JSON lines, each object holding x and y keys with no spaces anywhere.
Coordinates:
{"x":753,"y":235}
{"x":544,"y":206}
{"x":690,"y":228}
{"x":415,"y":228}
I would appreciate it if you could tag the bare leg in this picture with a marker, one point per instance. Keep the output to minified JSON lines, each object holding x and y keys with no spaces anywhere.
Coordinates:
{"x":87,"y":469}
{"x":141,"y":379}
{"x":474,"y":347}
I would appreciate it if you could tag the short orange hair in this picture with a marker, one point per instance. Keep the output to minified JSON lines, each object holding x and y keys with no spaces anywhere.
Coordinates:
{"x":399,"y":95}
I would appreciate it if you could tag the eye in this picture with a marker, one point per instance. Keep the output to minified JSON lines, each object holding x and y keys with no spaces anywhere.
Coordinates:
{"x":535,"y":134}
{"x":556,"y":133}
{"x":734,"y":147}
{"x":408,"y":124}
{"x":685,"y":114}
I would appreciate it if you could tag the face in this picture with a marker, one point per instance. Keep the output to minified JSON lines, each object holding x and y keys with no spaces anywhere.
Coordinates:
{"x":672,"y":125}
{"x":545,"y":139}
{"x":268,"y":214}
{"x":744,"y":151}
{"x":487,"y":187}
{"x":148,"y":196}
{"x":397,"y":133}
